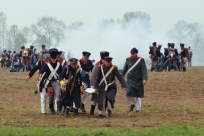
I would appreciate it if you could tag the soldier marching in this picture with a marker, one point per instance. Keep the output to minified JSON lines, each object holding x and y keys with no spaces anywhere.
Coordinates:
{"x":68,"y":85}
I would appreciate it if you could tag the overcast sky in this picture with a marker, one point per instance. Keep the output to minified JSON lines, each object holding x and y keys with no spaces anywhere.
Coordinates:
{"x":164,"y":14}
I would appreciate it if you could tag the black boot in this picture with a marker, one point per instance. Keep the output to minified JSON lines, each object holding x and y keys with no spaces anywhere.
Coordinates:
{"x":109,"y":113}
{"x":52,"y":111}
{"x":92,"y":109}
{"x":66,"y":112}
{"x":184,"y":69}
{"x":82,"y":108}
{"x":102,"y":116}
{"x":59,"y":107}
{"x":131,"y":107}
{"x":75,"y":113}
{"x":71,"y":109}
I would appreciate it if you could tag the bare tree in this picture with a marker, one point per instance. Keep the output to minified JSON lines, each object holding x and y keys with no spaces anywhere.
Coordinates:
{"x":49,"y":28}
{"x":14,"y":38}
{"x":140,"y":20}
{"x":190,"y":34}
{"x":196,"y":36}
{"x":19,"y":41}
{"x":75,"y":25}
{"x":27,"y":33}
{"x":136,"y":15}
{"x":2,"y":29}
{"x":180,"y":32}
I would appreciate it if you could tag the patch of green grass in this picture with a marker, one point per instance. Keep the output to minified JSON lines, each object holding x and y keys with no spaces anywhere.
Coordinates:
{"x":166,"y":130}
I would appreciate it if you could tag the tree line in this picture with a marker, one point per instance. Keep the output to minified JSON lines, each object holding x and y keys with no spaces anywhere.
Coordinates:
{"x":51,"y":31}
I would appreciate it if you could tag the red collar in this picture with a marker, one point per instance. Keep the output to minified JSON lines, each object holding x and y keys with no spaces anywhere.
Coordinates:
{"x":105,"y":65}
{"x":82,"y":60}
{"x":60,"y":60}
{"x":99,"y":63}
{"x":133,"y":58}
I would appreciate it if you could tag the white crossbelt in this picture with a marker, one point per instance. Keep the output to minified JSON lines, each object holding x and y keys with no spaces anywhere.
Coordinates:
{"x":132,"y":67}
{"x":104,"y":77}
{"x":53,"y":73}
{"x":63,"y":63}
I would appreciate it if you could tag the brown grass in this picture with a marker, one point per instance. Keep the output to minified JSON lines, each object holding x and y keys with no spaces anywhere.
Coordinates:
{"x":170,"y":97}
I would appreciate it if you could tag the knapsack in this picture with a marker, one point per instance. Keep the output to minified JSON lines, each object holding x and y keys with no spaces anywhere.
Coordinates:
{"x":24,"y":53}
{"x":186,"y":52}
{"x":172,"y":52}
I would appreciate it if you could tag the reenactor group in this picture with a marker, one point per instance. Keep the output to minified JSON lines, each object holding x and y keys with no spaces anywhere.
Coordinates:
{"x":25,"y":59}
{"x":170,"y":59}
{"x":6,"y":59}
{"x":68,"y":85}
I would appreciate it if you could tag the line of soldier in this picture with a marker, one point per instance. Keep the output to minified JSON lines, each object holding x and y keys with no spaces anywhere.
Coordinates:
{"x":24,"y":59}
{"x":65,"y":84}
{"x":6,"y":59}
{"x":171,"y":59}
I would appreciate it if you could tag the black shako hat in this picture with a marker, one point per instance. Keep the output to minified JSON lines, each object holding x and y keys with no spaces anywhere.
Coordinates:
{"x":154,"y":44}
{"x":134,"y":50}
{"x":104,"y":54}
{"x":31,"y":47}
{"x":22,"y":47}
{"x":182,"y":45}
{"x":86,"y":54}
{"x":159,"y":46}
{"x":172,"y":45}
{"x":108,"y":59}
{"x":43,"y":46}
{"x":59,"y":53}
{"x":169,"y":44}
{"x":73,"y":61}
{"x":53,"y":53}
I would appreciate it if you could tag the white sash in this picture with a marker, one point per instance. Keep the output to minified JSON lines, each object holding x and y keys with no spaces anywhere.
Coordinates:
{"x":63,"y":63}
{"x":132,"y":67}
{"x":53,"y":73}
{"x":104,"y":77}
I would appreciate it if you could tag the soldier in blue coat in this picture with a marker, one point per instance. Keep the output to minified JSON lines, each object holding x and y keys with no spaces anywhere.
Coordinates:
{"x":87,"y":67}
{"x":41,"y":89}
{"x":71,"y":73}
{"x":52,"y":71}
{"x":135,"y":71}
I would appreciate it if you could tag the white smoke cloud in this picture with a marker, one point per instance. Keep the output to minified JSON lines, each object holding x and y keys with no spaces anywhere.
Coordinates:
{"x":117,"y":38}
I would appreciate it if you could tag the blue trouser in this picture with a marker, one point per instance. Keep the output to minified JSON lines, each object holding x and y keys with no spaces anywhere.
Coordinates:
{"x":16,"y":68}
{"x":75,"y":98}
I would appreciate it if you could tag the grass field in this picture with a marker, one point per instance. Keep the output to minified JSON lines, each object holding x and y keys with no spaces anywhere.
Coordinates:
{"x":173,"y":98}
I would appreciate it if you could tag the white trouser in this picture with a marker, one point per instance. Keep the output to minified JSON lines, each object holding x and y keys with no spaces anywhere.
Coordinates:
{"x":43,"y":96}
{"x":135,"y":101}
{"x":74,"y":106}
{"x":55,"y":104}
{"x":84,"y":98}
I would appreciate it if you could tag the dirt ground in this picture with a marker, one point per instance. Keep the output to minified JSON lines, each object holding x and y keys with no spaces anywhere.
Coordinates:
{"x":170,"y":98}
